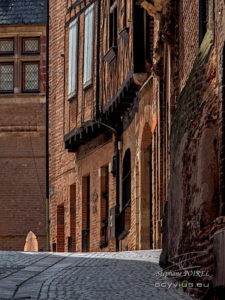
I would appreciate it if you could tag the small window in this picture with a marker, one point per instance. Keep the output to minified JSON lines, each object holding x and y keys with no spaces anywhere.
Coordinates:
{"x":31,"y":45}
{"x":6,"y":78}
{"x":113,"y":24}
{"x":31,"y":81}
{"x":124,"y":13}
{"x":88,"y":45}
{"x":6,"y":46}
{"x":73,"y":46}
{"x":203,"y":19}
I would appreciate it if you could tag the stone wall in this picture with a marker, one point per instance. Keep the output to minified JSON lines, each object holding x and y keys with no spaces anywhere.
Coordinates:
{"x":194,"y":201}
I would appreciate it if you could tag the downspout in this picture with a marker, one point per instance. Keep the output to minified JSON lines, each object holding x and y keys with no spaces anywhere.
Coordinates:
{"x":47,"y":132}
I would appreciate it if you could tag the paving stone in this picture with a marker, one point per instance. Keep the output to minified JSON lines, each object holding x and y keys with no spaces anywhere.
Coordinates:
{"x":100,"y":276}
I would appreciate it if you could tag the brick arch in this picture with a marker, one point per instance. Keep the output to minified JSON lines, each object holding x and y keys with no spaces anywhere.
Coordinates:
{"x":146,"y":205}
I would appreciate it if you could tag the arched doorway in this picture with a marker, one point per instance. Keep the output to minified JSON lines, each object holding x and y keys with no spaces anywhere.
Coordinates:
{"x":146,"y":201}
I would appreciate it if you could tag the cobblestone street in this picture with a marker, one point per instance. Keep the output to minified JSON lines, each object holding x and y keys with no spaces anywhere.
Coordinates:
{"x":122,"y":275}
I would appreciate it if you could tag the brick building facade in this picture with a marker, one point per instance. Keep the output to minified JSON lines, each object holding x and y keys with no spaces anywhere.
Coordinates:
{"x":22,"y":122}
{"x":106,"y":160}
{"x":136,"y":127}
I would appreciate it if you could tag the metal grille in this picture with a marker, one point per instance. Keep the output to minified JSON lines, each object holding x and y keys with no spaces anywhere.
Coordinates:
{"x":6,"y":77}
{"x":6,"y":46}
{"x":31,"y":77}
{"x":31,"y":45}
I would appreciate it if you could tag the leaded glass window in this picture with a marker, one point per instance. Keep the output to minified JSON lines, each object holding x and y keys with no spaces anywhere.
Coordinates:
{"x":6,"y":46}
{"x":31,"y":45}
{"x":6,"y":77}
{"x":31,"y":77}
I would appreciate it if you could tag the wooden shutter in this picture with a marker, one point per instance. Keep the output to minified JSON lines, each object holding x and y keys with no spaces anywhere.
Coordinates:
{"x":72,"y":76}
{"x":112,"y":223}
{"x":88,"y":44}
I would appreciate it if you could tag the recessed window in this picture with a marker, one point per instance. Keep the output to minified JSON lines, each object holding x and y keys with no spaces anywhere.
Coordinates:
{"x":88,"y":45}
{"x":113,"y":24}
{"x":203,"y":18}
{"x":31,"y":81}
{"x":31,"y":45}
{"x":6,"y":78}
{"x":6,"y":46}
{"x":124,"y":12}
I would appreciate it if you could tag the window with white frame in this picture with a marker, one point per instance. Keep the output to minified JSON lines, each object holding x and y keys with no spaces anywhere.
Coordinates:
{"x":88,"y":45}
{"x":73,"y":43}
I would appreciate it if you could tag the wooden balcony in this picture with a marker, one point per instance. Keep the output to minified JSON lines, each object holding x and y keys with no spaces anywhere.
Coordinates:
{"x":111,"y":115}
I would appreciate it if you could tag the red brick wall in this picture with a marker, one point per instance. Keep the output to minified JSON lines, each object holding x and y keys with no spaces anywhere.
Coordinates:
{"x":22,"y":174}
{"x":22,"y":157}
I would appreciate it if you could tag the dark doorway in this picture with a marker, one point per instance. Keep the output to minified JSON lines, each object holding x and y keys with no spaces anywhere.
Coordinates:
{"x":146,"y":223}
{"x":104,"y":210}
{"x":150,"y":198}
{"x":60,"y":229}
{"x":72,"y":238}
{"x":86,"y":214}
{"x":125,"y":214}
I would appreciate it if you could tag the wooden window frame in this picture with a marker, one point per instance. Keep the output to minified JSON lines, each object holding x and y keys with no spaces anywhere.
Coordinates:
{"x":23,"y":77}
{"x":11,"y":52}
{"x":24,"y":52}
{"x":9,"y":91}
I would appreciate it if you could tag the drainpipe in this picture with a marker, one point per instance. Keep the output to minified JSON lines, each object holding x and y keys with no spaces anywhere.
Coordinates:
{"x":117,"y":174}
{"x":47,"y":131}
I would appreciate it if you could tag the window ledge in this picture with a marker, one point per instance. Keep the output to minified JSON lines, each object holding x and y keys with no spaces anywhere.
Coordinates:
{"x":25,"y":94}
{"x":87,"y":85}
{"x":72,"y":96}
{"x":110,"y":55}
